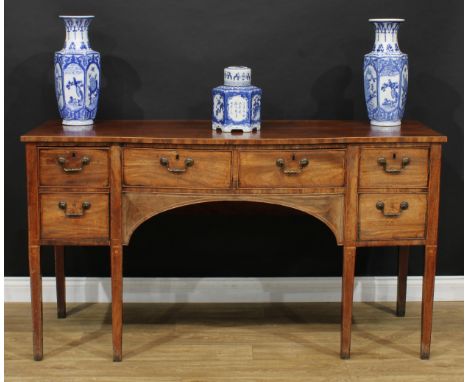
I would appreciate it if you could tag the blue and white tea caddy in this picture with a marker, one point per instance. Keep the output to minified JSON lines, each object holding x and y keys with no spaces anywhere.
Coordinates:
{"x":386,"y":75}
{"x":77,"y":71}
{"x":236,"y":104}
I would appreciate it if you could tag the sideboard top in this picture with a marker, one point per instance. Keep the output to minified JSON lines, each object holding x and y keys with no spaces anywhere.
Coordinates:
{"x":200,"y":132}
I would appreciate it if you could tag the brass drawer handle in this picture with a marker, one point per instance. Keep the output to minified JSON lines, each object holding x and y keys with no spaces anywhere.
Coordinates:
{"x":75,"y":212}
{"x":383,"y":162}
{"x":381,"y":206}
{"x":292,"y":171}
{"x":63,"y":161}
{"x":188,"y":162}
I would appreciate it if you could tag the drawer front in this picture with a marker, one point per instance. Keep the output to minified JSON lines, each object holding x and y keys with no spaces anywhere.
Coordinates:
{"x":177,"y":168}
{"x":392,"y":216}
{"x":74,"y":167}
{"x":398,"y":167}
{"x":292,"y":169}
{"x":73,"y":216}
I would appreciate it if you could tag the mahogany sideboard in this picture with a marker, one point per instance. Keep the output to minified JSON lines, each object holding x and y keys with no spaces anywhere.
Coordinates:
{"x":371,"y":188}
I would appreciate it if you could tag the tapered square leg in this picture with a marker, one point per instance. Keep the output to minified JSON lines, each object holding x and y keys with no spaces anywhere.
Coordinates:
{"x":60,"y":281}
{"x":347,"y":290}
{"x":403,"y":257}
{"x":117,"y":291}
{"x":428,"y":299}
{"x":36,"y":299}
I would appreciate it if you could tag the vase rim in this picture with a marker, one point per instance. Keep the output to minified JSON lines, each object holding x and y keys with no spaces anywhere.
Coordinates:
{"x":76,"y":17}
{"x":387,"y":20}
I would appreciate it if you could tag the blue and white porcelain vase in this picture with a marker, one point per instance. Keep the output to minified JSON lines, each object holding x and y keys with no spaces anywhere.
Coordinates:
{"x":236,"y":104}
{"x":77,"y":74}
{"x":386,"y":75}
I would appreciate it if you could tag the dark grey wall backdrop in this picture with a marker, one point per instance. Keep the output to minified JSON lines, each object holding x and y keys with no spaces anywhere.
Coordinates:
{"x":160,"y":59}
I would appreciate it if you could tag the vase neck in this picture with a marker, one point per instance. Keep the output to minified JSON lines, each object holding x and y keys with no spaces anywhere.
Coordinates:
{"x":76,"y":36}
{"x":386,"y":37}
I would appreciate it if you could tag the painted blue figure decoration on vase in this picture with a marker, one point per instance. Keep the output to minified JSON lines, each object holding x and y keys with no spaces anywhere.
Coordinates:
{"x":77,"y":74}
{"x":386,"y":75}
{"x":236,"y":104}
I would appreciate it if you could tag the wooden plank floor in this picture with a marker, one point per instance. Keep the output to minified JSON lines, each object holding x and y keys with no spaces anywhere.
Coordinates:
{"x":234,"y":342}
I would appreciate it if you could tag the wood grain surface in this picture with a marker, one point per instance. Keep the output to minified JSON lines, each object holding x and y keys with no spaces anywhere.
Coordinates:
{"x":199,"y":132}
{"x":373,"y":174}
{"x":93,"y":223}
{"x":336,"y":171}
{"x":59,"y":257}
{"x":93,"y":174}
{"x":403,"y":260}
{"x":409,"y":224}
{"x":259,"y":169}
{"x":140,"y":206}
{"x":116,"y":251}
{"x":430,"y":256}
{"x":235,"y":343}
{"x":34,"y":249}
{"x":209,"y":169}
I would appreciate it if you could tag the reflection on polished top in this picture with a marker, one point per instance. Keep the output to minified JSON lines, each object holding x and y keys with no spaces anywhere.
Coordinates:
{"x":200,"y":132}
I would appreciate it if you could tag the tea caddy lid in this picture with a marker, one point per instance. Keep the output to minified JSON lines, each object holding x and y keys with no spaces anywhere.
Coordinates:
{"x":237,"y":76}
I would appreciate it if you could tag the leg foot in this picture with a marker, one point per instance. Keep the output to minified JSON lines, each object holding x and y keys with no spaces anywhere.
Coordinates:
{"x":36,"y":299}
{"x":37,"y":357}
{"x":60,"y":281}
{"x":425,"y":354}
{"x":403,"y":256}
{"x":117,"y":357}
{"x":349,"y":259}
{"x":116,"y":268}
{"x":428,"y":299}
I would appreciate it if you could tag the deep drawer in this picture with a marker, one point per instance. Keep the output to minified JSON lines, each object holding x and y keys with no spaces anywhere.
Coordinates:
{"x":74,"y":167}
{"x":392,"y":216}
{"x":74,"y":217}
{"x":177,"y":168}
{"x":393,"y":167}
{"x":292,"y":169}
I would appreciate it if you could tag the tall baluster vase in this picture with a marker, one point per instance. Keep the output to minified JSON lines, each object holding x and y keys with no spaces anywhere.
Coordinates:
{"x":77,"y":74}
{"x":386,"y":75}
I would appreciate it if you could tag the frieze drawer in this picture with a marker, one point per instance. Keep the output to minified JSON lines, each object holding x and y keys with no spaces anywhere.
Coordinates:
{"x":394,"y":167}
{"x":291,"y":169}
{"x":74,"y":216}
{"x":392,"y":216}
{"x":148,"y":167}
{"x":74,"y":167}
